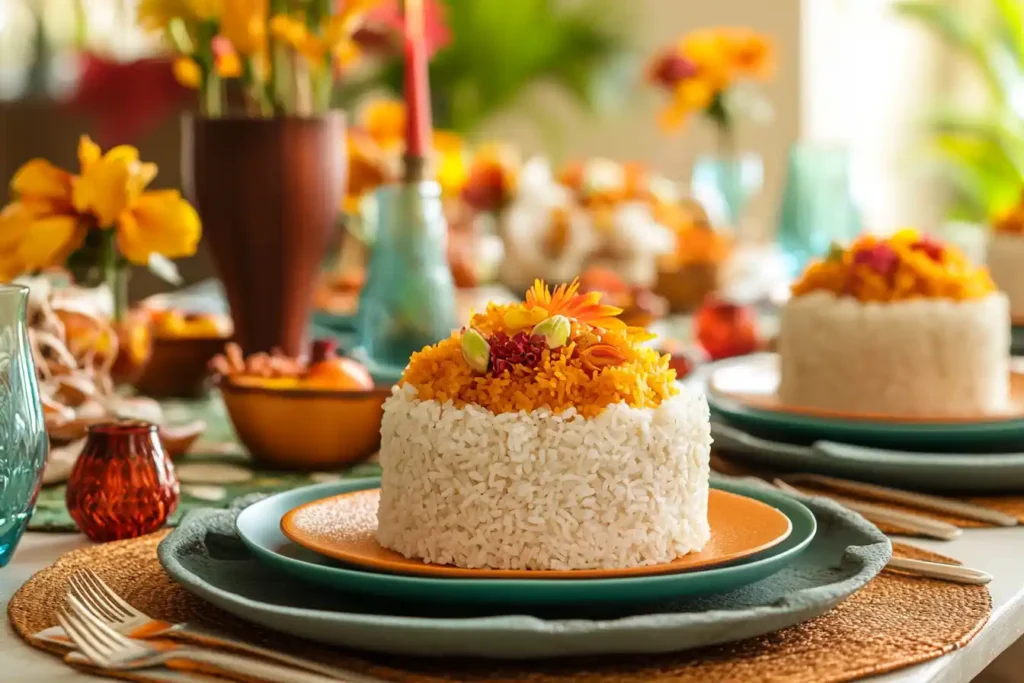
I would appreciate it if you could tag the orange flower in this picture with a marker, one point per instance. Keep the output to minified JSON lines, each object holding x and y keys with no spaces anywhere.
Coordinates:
{"x":690,"y":96}
{"x":566,"y":300}
{"x":384,"y":120}
{"x":752,"y":54}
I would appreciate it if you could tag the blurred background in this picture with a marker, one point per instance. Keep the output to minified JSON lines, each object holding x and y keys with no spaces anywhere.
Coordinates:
{"x":859,"y":74}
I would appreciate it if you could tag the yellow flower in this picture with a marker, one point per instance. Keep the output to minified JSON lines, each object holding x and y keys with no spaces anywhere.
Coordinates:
{"x":108,"y":184}
{"x":751,"y":53}
{"x":159,"y":222}
{"x":187,"y":72}
{"x":690,"y":96}
{"x":229,"y":65}
{"x":287,"y":29}
{"x":711,"y":52}
{"x":40,"y":228}
{"x":384,"y":121}
{"x":53,"y":211}
{"x":111,"y":188}
{"x":244,"y":24}
{"x":206,"y":10}
{"x":155,"y":15}
{"x":450,"y":166}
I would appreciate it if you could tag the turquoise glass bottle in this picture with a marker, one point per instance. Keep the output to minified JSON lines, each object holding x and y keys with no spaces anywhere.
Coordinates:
{"x":23,"y":442}
{"x":724,"y":185}
{"x":818,"y":206}
{"x":408,"y":301}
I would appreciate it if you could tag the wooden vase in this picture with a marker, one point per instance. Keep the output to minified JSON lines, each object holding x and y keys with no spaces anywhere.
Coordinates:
{"x":268,"y":192}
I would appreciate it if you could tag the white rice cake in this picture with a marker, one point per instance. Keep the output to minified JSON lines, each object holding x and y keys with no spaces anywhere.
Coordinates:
{"x":537,"y":490}
{"x":920,"y":357}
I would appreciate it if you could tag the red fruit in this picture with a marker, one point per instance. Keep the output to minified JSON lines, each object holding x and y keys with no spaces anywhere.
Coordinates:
{"x":726,"y":329}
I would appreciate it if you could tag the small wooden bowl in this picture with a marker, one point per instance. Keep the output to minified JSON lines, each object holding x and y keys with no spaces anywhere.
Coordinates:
{"x":686,"y":287}
{"x":178,"y":366}
{"x":305,"y":429}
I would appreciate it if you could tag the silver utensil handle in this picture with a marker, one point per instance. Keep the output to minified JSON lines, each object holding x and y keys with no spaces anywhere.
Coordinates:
{"x":196,"y":635}
{"x":937,"y":570}
{"x":240,"y":665}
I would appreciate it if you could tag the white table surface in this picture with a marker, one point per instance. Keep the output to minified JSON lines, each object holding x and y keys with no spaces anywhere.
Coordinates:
{"x":997,"y":551}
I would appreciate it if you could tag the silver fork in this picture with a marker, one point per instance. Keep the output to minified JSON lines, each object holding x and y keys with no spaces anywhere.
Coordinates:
{"x":106,"y":605}
{"x":111,"y":650}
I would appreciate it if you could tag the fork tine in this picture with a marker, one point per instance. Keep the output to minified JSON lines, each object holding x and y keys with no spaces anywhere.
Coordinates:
{"x":87,"y":596}
{"x":111,"y":595}
{"x":97,"y":629}
{"x":101,"y":630}
{"x":82,"y":638}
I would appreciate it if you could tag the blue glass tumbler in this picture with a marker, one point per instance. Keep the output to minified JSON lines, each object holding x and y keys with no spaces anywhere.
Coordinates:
{"x":23,"y":442}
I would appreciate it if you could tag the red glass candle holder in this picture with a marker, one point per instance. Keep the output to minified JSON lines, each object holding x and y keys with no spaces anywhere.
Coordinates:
{"x":123,"y":484}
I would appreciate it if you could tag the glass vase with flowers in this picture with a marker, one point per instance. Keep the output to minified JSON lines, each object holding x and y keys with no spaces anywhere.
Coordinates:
{"x":709,"y":73}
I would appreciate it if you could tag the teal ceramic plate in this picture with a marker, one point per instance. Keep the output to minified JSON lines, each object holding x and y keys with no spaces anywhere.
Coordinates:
{"x":1017,"y":340}
{"x":939,"y":472}
{"x":754,"y":375}
{"x":205,"y":555}
{"x":259,"y":526}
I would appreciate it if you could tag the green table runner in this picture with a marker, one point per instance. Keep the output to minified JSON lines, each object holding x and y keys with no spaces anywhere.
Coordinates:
{"x":221,"y":446}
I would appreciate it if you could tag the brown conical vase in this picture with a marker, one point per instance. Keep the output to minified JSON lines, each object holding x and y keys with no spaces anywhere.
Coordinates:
{"x":268,"y":192}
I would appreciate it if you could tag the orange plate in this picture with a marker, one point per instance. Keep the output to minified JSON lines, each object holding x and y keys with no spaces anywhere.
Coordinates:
{"x":754,"y":384}
{"x":740,"y":527}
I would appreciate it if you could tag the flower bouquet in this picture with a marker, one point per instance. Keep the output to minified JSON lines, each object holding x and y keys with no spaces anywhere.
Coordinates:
{"x":709,"y":72}
{"x":265,"y":156}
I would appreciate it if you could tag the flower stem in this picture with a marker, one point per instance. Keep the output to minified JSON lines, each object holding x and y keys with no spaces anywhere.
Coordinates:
{"x":115,"y":274}
{"x":212,"y":105}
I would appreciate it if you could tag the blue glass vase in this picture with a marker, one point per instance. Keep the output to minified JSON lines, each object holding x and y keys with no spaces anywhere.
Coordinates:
{"x":818,"y":207}
{"x":23,"y":443}
{"x":724,"y":185}
{"x":408,"y":301}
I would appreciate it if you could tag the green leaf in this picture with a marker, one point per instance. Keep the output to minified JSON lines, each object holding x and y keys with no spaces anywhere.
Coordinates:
{"x":1011,"y":17}
{"x":953,"y":27}
{"x":500,"y":50}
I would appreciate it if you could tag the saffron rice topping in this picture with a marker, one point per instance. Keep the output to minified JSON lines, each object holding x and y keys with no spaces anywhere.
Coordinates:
{"x":558,"y":349}
{"x":905,"y":266}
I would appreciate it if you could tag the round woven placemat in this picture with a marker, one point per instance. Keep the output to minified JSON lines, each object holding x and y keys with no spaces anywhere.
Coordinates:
{"x":895,"y":621}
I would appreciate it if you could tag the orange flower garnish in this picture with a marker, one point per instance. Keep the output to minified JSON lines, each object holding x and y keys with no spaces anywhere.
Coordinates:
{"x":566,"y":300}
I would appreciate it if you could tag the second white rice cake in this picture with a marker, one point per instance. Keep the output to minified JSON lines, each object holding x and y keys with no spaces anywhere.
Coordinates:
{"x":920,"y":357}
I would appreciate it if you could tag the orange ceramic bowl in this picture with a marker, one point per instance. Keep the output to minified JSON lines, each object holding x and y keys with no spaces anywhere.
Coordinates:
{"x":305,"y":429}
{"x":178,"y":366}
